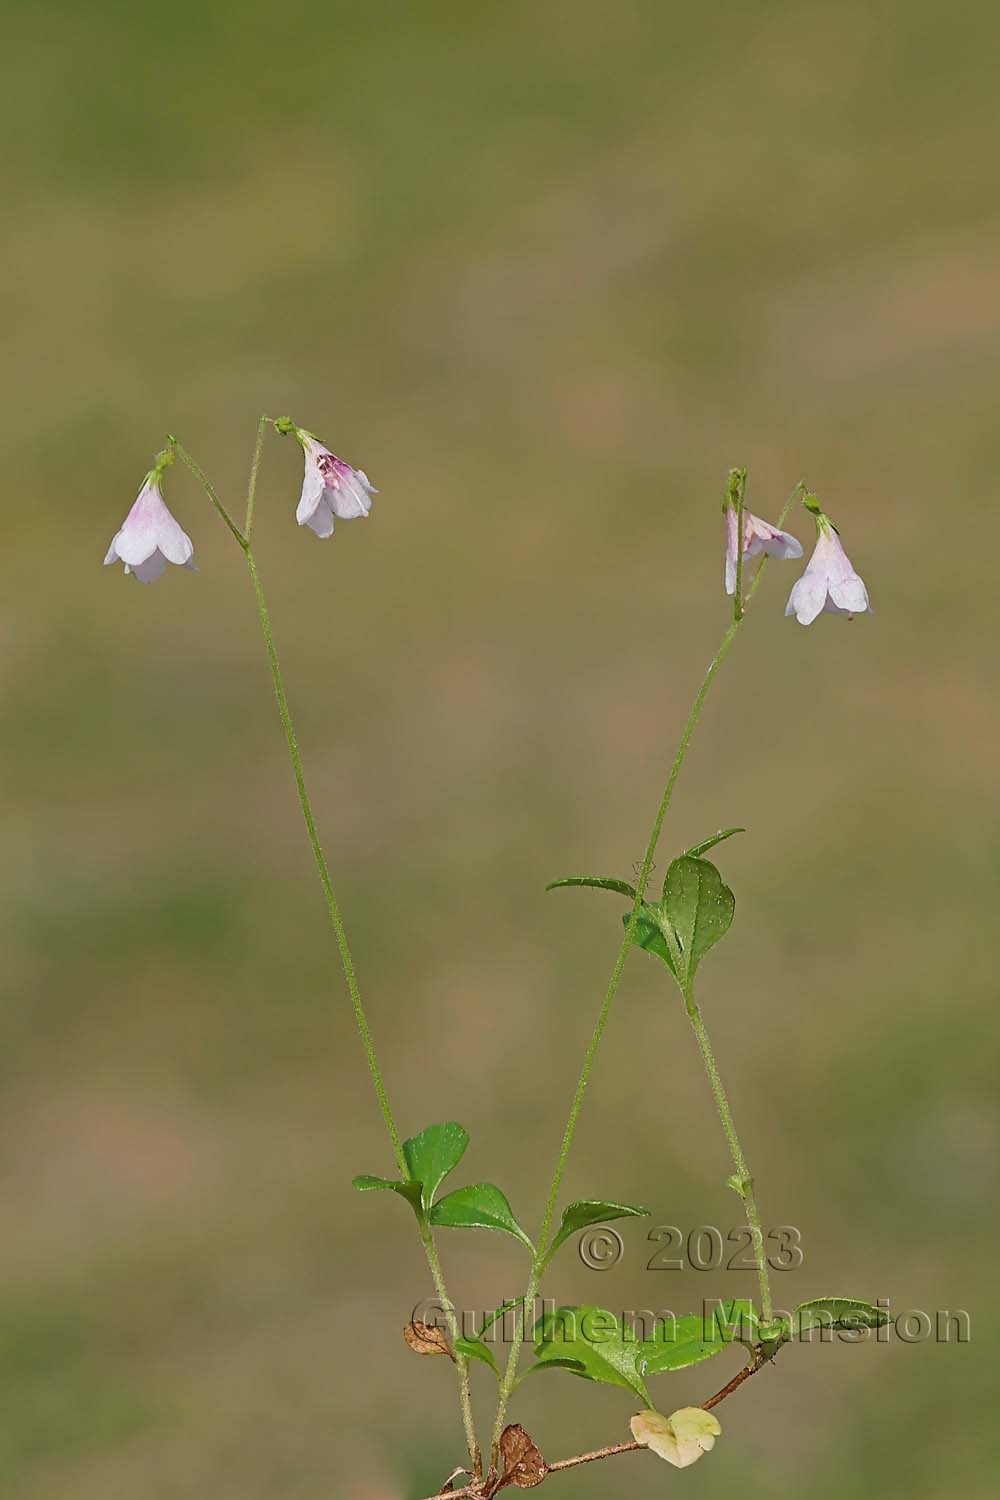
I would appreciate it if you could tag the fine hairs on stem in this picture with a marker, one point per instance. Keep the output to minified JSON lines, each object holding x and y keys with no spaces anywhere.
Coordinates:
{"x":333,"y":908}
{"x":350,"y":975}
{"x":738,"y":484}
{"x":695,"y":911}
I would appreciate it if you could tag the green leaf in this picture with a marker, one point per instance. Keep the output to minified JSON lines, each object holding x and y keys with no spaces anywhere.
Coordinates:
{"x":717,"y":838}
{"x":686,"y":1341}
{"x":696,"y":909}
{"x":434,"y":1153}
{"x":474,"y":1348}
{"x":699,"y":907}
{"x":648,"y":933}
{"x":589,"y":1211}
{"x":481,"y":1206}
{"x":837,"y":1312}
{"x":408,"y":1190}
{"x":598,"y":882}
{"x":592,"y":1343}
{"x":498,"y":1312}
{"x":738,"y":1321}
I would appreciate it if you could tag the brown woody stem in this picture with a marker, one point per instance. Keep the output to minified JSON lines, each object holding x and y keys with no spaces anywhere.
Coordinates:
{"x":589,"y":1458}
{"x":755,"y":1364}
{"x":477,"y":1492}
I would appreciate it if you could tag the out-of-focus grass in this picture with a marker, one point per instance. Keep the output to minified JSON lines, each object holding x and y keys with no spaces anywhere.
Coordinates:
{"x":546,"y":271}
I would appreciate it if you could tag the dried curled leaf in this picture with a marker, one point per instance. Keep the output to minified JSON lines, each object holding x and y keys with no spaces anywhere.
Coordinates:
{"x":523,"y":1465}
{"x":424,"y":1338}
{"x":681,"y":1438}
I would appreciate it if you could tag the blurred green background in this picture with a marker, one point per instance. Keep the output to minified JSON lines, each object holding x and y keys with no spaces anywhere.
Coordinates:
{"x":545,"y":270}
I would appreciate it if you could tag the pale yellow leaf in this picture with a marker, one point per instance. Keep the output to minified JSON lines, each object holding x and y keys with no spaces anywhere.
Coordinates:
{"x":681,"y":1438}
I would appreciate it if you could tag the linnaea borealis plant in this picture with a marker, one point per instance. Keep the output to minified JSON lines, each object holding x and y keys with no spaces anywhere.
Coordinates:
{"x":678,"y":927}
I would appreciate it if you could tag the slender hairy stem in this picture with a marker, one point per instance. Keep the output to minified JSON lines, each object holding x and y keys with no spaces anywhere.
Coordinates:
{"x":510,"y":1373}
{"x":743,"y":1173}
{"x":206,"y":485}
{"x":254,"y":467}
{"x":738,"y":488}
{"x":461,"y":1363}
{"x":347,"y":961}
{"x":612,"y":1450}
{"x":343,"y":946}
{"x":321,"y":865}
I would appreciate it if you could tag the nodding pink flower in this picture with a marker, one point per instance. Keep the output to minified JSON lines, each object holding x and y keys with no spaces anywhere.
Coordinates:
{"x":758,"y":536}
{"x":150,"y":537}
{"x":330,"y":488}
{"x":829,"y":581}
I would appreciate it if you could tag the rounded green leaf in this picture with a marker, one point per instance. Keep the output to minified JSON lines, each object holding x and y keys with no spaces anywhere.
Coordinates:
{"x":480,"y":1206}
{"x":591,"y":1343}
{"x":685,"y":1343}
{"x":699,"y":907}
{"x":648,"y":933}
{"x":434,"y":1153}
{"x":474,"y":1348}
{"x":680,"y":1342}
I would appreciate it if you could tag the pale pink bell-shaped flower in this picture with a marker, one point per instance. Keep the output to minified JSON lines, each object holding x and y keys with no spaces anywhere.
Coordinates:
{"x":330,"y":487}
{"x":150,"y":537}
{"x":758,"y":536}
{"x":829,"y":581}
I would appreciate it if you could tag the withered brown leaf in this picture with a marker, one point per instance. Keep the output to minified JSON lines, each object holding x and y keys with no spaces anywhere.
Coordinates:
{"x":523,"y":1465}
{"x":424,"y":1338}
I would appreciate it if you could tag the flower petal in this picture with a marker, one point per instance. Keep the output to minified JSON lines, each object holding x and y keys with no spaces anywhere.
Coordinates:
{"x":150,"y":526}
{"x":760,"y":536}
{"x":730,"y":550}
{"x":320,"y":519}
{"x":350,"y":497}
{"x":173,"y":541}
{"x":808,"y":596}
{"x":150,"y":569}
{"x":312,"y":492}
{"x":849,"y":594}
{"x":137,"y":539}
{"x":780,"y":544}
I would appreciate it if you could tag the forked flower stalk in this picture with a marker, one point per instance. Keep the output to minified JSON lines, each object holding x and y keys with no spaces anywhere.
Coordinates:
{"x":333,"y":907}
